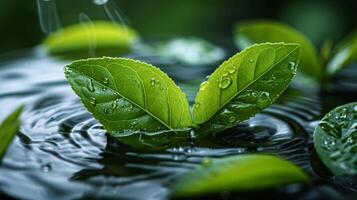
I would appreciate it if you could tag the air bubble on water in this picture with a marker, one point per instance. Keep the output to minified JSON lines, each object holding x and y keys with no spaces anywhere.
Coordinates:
{"x":46,"y":168}
{"x":90,"y":85}
{"x":263,"y":100}
{"x":225,"y":82}
{"x":105,"y":80}
{"x":203,"y":85}
{"x":100,"y":2}
{"x":251,"y":60}
{"x":179,"y":156}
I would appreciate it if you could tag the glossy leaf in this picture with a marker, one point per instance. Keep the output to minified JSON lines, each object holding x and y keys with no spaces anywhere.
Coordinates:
{"x":129,"y":96}
{"x":345,"y":53}
{"x":244,"y":85}
{"x":252,"y":32}
{"x":8,"y":130}
{"x":335,"y":140}
{"x":98,"y":38}
{"x":238,"y":173}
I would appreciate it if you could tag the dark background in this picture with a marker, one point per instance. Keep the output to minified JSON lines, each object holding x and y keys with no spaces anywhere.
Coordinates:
{"x":210,"y":19}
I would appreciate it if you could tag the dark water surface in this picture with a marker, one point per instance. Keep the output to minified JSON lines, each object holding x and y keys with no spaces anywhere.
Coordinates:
{"x":62,"y":152}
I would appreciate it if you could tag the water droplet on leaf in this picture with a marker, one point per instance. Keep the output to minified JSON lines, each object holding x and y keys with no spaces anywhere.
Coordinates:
{"x":90,"y":85}
{"x":100,"y":2}
{"x":93,"y":101}
{"x":203,"y":85}
{"x":105,"y":80}
{"x":263,"y":100}
{"x":152,"y":81}
{"x":292,"y":66}
{"x":251,"y":60}
{"x":225,"y":82}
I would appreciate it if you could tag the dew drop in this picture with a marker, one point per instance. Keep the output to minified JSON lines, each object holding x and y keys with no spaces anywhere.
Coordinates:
{"x":105,"y":80}
{"x":197,"y":104}
{"x":251,"y":60}
{"x":232,"y":70}
{"x":355,"y":108}
{"x":115,"y":103}
{"x":134,"y":123}
{"x":93,"y":101}
{"x":225,"y":82}
{"x":90,"y":85}
{"x":203,"y":85}
{"x":292,"y":66}
{"x":152,"y":81}
{"x":232,"y":119}
{"x":263,"y":100}
{"x":225,"y":74}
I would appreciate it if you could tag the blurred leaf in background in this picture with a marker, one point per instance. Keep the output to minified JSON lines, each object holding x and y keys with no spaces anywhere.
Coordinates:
{"x":210,"y":19}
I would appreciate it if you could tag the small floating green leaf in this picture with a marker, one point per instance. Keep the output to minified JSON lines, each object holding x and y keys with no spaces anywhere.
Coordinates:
{"x":8,"y":130}
{"x":248,"y":33}
{"x":244,"y":85}
{"x":345,"y":53}
{"x":129,"y":96}
{"x":89,"y":39}
{"x":335,"y":140}
{"x":238,"y":173}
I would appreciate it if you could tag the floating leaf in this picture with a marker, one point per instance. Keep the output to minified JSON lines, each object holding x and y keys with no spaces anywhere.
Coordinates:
{"x":345,"y":53}
{"x":249,"y":33}
{"x":335,"y":140}
{"x":244,"y":85}
{"x":129,"y":96}
{"x":236,"y":174}
{"x":98,"y":38}
{"x":8,"y":130}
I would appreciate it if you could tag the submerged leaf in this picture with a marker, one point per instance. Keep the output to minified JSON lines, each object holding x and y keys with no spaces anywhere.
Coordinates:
{"x":238,"y":173}
{"x":129,"y":96}
{"x":344,"y":54}
{"x":244,"y":85}
{"x":8,"y":130}
{"x":335,"y":140}
{"x":98,"y":38}
{"x":249,"y":33}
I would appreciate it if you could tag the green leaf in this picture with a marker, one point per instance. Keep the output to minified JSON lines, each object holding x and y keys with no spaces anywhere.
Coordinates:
{"x":98,"y":38}
{"x":344,"y":54}
{"x":335,"y":140}
{"x":8,"y":130}
{"x":238,"y":173}
{"x":252,"y":32}
{"x":244,"y":85}
{"x":129,"y":96}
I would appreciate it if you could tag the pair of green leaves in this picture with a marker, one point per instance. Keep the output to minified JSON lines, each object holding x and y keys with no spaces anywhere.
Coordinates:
{"x":129,"y":96}
{"x":335,"y":140}
{"x":97,"y":38}
{"x":248,"y":33}
{"x":8,"y":130}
